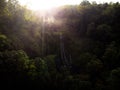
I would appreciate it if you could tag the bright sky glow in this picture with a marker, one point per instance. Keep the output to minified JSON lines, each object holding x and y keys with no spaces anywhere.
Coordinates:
{"x":48,"y":4}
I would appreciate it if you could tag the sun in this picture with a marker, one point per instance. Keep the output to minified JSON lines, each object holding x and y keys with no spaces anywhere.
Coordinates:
{"x":46,"y":4}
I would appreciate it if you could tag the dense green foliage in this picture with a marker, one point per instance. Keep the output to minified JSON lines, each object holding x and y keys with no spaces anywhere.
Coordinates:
{"x":80,"y":50}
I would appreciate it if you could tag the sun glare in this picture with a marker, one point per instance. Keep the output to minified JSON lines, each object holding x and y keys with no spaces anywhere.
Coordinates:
{"x":46,"y":4}
{"x":42,"y":4}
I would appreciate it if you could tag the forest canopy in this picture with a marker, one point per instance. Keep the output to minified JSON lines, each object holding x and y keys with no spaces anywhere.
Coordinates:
{"x":71,"y":47}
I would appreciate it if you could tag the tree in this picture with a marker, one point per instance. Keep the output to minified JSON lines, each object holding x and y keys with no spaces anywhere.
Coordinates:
{"x":114,"y":80}
{"x":91,"y":30}
{"x":2,"y":7}
{"x":4,"y":43}
{"x":103,"y":33}
{"x":13,"y":68}
{"x":111,"y":56}
{"x":94,"y":67}
{"x":85,"y":3}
